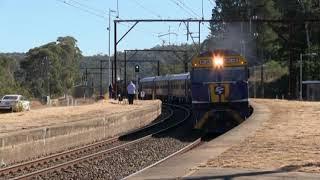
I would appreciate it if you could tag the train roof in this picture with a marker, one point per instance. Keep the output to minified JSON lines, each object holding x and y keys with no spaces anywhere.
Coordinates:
{"x":147,"y":79}
{"x":229,"y":58}
{"x":180,"y":76}
{"x":162,"y":78}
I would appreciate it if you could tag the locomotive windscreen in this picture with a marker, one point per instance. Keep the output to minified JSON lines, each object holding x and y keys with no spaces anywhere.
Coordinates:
{"x":225,"y":74}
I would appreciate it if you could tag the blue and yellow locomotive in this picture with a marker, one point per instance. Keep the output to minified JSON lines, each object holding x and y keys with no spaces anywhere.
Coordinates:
{"x":219,"y":86}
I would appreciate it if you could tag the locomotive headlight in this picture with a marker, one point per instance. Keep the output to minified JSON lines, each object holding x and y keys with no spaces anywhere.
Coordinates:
{"x":217,"y":61}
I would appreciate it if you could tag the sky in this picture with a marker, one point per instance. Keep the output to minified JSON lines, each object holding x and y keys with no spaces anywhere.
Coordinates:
{"x":26,"y":24}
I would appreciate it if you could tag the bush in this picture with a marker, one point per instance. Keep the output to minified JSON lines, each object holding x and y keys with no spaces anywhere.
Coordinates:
{"x":18,"y":107}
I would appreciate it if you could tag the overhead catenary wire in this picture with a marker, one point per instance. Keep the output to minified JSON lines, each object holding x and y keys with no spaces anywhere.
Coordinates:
{"x":82,"y":9}
{"x":149,"y":11}
{"x":146,"y":9}
{"x":101,"y":14}
{"x":92,"y":11}
{"x":92,"y":8}
{"x":181,"y":7}
{"x":187,"y":7}
{"x":184,"y":7}
{"x":89,"y":7}
{"x":211,"y":2}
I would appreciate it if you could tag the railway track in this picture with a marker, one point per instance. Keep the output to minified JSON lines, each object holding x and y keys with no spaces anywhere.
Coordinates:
{"x":57,"y":163}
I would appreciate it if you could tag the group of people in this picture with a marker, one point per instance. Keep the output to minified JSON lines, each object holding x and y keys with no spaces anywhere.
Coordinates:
{"x":131,"y":90}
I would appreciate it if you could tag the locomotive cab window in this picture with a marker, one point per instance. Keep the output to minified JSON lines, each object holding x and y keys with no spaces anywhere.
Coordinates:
{"x":225,"y":74}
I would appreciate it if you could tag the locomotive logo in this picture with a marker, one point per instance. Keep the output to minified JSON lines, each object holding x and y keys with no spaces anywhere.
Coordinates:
{"x":219,"y":90}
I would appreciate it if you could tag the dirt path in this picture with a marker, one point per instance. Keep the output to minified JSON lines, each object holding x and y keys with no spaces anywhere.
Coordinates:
{"x":290,"y":139}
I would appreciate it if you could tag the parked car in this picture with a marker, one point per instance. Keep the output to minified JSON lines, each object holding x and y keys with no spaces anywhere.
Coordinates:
{"x":15,"y":103}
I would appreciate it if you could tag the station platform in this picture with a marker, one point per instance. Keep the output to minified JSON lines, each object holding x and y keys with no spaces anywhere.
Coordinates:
{"x":42,"y":131}
{"x":279,"y":141}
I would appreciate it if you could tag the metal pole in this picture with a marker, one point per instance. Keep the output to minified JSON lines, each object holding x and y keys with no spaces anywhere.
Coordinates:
{"x":199,"y":35}
{"x":101,"y":78}
{"x":300,"y":93}
{"x":112,"y":72}
{"x":202,"y":10}
{"x":109,"y":74}
{"x":158,"y":68}
{"x":262,"y":81}
{"x":262,"y":74}
{"x":115,"y":57}
{"x":290,"y":64}
{"x":48,"y":74}
{"x":169,"y":36}
{"x":86,"y":77}
{"x":125,"y":71}
{"x":255,"y":82}
{"x":117,"y":8}
{"x":137,"y":85}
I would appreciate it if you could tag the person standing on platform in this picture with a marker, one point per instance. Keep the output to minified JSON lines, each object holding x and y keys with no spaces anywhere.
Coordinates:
{"x":131,"y":92}
{"x":110,"y":91}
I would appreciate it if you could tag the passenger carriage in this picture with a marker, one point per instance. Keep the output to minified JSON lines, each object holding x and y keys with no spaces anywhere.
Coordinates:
{"x":148,"y":86}
{"x":179,"y":88}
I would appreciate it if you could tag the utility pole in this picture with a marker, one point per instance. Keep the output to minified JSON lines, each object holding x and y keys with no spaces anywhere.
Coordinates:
{"x":262,"y":74}
{"x":118,"y":9}
{"x":255,"y":82}
{"x":101,"y":92}
{"x":86,"y":80}
{"x":109,"y":54}
{"x":158,"y":68}
{"x":125,"y":72}
{"x":48,"y":75}
{"x":169,"y":36}
{"x":115,"y":58}
{"x":262,"y":81}
{"x":111,"y":72}
{"x":202,"y":17}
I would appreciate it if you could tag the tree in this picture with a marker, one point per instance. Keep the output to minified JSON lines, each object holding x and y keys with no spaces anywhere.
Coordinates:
{"x":280,"y":41}
{"x":53,"y":68}
{"x":245,"y":37}
{"x":8,"y":85}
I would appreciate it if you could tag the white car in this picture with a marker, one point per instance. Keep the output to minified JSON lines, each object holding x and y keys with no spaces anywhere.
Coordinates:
{"x":14,"y":103}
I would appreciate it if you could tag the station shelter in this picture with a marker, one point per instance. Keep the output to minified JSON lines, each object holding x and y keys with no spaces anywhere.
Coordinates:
{"x":312,"y":90}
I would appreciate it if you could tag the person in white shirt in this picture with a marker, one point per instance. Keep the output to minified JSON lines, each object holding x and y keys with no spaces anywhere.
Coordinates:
{"x":131,"y":92}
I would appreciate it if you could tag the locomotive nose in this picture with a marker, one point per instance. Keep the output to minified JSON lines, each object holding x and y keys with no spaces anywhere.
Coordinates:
{"x":219,"y":92}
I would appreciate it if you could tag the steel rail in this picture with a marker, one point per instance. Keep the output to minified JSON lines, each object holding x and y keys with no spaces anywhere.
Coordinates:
{"x":30,"y":164}
{"x":74,"y":162}
{"x":66,"y":154}
{"x":181,"y":151}
{"x":152,"y":124}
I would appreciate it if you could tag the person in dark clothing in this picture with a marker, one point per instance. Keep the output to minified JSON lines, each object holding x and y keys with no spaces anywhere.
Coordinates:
{"x":110,"y":91}
{"x":131,"y":92}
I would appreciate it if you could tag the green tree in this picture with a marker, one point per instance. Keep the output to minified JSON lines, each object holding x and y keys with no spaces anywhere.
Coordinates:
{"x":8,"y":85}
{"x":238,"y":32}
{"x":280,"y":41}
{"x":53,"y":68}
